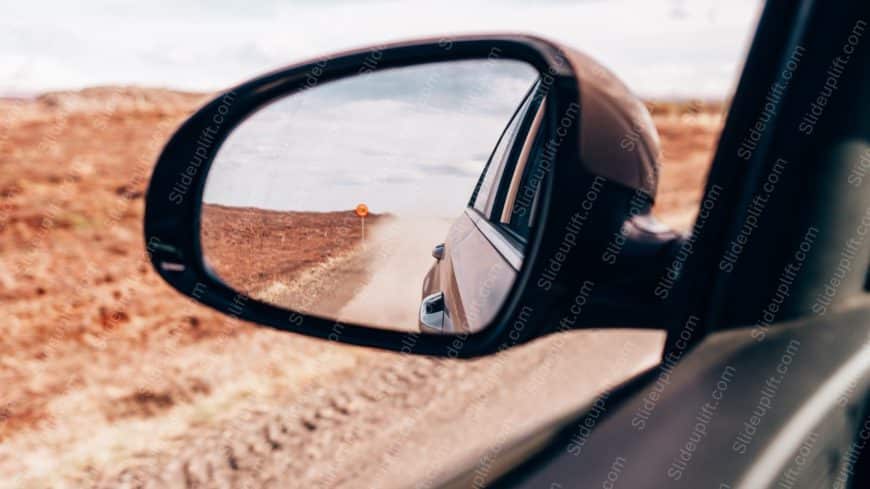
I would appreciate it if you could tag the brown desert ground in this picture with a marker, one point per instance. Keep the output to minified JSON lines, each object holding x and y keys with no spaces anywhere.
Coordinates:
{"x":268,"y":254}
{"x":111,"y":379}
{"x":320,"y":263}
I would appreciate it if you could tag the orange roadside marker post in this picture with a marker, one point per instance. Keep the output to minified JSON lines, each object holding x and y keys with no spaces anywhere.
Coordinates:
{"x":362,"y":211}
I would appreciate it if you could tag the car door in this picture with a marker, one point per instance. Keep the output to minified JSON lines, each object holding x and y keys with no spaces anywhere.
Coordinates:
{"x":479,"y":259}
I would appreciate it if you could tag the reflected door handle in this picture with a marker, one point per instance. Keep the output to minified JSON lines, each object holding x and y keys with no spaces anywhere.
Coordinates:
{"x":438,"y":251}
{"x":432,"y":313}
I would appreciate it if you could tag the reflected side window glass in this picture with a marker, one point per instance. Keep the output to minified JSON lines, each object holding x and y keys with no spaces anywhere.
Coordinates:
{"x":522,"y":193}
{"x":485,"y":193}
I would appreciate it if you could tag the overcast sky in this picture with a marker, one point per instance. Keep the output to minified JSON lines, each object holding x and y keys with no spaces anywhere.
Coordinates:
{"x":407,"y":141}
{"x":662,"y":48}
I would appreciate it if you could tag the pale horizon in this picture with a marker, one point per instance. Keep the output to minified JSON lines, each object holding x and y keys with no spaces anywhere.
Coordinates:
{"x":663,"y":49}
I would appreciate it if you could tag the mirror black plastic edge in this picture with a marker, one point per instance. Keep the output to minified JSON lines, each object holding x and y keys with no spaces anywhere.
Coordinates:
{"x":174,"y":195}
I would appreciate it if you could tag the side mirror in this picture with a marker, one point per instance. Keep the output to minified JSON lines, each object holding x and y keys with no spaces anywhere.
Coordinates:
{"x":307,"y":199}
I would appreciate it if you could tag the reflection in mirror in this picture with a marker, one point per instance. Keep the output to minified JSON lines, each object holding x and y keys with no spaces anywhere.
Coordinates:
{"x":399,"y":199}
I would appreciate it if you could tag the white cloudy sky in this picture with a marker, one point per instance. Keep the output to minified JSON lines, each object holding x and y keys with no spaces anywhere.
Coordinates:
{"x":661,"y":48}
{"x":408,"y":141}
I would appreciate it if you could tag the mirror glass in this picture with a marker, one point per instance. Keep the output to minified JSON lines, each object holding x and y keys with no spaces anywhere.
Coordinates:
{"x":398,"y":199}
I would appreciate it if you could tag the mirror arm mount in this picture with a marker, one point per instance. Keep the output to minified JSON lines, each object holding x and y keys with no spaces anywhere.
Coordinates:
{"x":638,"y":287}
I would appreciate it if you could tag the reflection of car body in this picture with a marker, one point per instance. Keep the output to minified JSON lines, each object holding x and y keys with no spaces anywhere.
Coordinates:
{"x":478,"y":262}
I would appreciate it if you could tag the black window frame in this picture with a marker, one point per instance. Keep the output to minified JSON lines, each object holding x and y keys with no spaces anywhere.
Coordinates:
{"x":528,"y":101}
{"x":534,"y":157}
{"x":532,"y":103}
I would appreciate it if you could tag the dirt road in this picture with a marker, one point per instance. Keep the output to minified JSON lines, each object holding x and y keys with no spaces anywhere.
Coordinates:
{"x":420,"y":418}
{"x":396,"y":421}
{"x":377,"y":282}
{"x":401,"y":255}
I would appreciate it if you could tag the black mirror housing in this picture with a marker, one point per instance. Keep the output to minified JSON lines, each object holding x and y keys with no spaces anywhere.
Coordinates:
{"x":580,"y":209}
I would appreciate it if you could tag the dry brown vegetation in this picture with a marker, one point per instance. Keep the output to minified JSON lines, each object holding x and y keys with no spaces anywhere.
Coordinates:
{"x":277,"y":244}
{"x":689,"y":132}
{"x":103,"y":365}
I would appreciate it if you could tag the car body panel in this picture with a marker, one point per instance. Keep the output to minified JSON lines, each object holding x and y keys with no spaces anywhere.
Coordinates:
{"x":472,"y":275}
{"x":480,"y":261}
{"x":822,"y":372}
{"x":817,"y":408}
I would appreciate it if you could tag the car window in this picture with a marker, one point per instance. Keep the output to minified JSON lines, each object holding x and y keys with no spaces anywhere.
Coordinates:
{"x":487,"y":188}
{"x":521,"y":197}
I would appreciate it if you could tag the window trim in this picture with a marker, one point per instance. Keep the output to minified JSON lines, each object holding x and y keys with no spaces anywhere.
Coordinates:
{"x":514,"y":153}
{"x":528,"y":98}
{"x":509,"y":243}
{"x":521,"y":164}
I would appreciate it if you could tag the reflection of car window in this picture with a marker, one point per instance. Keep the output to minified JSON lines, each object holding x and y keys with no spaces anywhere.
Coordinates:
{"x":522,"y":194}
{"x":485,"y":194}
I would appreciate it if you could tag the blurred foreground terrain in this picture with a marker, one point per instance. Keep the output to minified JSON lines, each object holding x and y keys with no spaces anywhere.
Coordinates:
{"x":111,"y":379}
